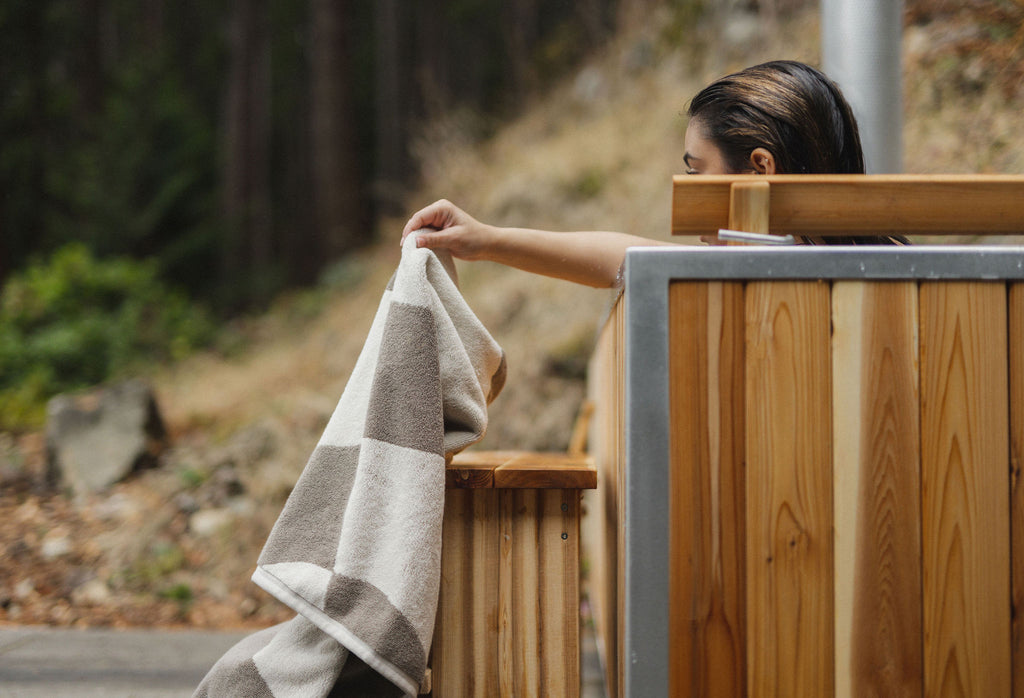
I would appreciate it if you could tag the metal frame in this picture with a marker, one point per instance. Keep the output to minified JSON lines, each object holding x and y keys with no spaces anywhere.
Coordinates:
{"x":648,"y":273}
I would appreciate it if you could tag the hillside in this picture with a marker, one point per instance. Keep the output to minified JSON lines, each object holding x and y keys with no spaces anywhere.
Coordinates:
{"x":176,"y":545}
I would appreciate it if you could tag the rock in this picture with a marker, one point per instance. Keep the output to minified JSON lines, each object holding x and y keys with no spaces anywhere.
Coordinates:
{"x":25,"y":589}
{"x":94,"y":591}
{"x":243,"y":507}
{"x":186,"y":503}
{"x":209,"y":521}
{"x":590,"y":86}
{"x":117,"y":507}
{"x":98,"y":439}
{"x":55,"y":546}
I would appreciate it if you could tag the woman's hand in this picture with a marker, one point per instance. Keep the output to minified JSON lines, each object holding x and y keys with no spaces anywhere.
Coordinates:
{"x":454,"y":230}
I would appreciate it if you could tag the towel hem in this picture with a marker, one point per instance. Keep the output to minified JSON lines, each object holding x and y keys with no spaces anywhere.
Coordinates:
{"x":336,"y":630}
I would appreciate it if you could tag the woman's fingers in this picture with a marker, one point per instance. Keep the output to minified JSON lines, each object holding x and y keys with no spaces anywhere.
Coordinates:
{"x":440,"y":214}
{"x":432,"y":240}
{"x":445,"y":225}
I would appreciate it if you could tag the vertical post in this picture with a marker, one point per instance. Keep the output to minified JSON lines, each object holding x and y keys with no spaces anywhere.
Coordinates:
{"x":860,"y":46}
{"x":749,"y":206}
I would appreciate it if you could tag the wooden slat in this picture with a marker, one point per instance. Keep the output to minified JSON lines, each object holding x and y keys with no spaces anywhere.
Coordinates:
{"x":859,"y":204}
{"x":707,"y":640}
{"x":520,"y":469}
{"x":465,"y":647}
{"x":789,"y":490}
{"x":965,"y":488}
{"x":877,"y":509}
{"x":1016,"y":349}
{"x":538,"y":593}
{"x":601,"y":524}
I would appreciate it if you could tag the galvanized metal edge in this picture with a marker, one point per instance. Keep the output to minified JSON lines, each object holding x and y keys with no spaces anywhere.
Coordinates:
{"x":645,"y":632}
{"x":832,"y":262}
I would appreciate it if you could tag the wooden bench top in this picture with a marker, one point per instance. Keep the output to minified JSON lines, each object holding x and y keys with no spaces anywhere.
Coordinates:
{"x":520,"y":470}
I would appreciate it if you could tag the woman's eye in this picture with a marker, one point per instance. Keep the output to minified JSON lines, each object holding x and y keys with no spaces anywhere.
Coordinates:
{"x":691,"y":171}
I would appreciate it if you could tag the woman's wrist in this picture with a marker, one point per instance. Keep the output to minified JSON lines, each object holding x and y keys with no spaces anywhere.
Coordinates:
{"x":493,"y":243}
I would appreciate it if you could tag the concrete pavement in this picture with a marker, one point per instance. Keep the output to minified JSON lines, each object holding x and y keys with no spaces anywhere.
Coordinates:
{"x":39,"y":662}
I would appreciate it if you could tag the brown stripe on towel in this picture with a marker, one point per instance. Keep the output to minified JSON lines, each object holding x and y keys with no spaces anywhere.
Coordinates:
{"x":357,"y":604}
{"x":248,"y":682}
{"x":301,"y":532}
{"x":405,"y":400}
{"x":235,"y":673}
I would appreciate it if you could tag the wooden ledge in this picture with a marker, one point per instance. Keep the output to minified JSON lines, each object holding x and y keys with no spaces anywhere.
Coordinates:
{"x":520,"y":470}
{"x":858,"y":204}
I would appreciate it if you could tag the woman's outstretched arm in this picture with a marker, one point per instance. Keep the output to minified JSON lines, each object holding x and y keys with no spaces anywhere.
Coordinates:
{"x":591,"y":258}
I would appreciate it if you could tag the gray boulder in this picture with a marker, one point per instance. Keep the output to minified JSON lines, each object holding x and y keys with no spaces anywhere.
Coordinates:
{"x":97,"y":439}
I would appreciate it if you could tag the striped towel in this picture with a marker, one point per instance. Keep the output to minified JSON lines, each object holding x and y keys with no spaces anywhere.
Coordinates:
{"x":357,"y":549}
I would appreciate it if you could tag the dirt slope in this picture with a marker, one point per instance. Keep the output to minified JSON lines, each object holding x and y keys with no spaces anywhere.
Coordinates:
{"x":176,"y":545}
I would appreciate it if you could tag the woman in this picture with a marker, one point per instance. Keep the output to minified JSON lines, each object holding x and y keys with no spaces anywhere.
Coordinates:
{"x":781,"y":117}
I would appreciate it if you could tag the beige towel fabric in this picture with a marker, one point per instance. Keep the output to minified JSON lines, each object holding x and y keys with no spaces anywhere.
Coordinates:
{"x":357,"y":549}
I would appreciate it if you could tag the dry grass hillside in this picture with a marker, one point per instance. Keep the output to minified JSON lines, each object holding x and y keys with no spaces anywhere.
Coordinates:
{"x":596,"y":152}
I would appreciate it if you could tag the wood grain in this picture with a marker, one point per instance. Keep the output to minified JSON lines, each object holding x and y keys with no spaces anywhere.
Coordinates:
{"x":520,"y":469}
{"x":469,"y":477}
{"x":965,"y":488}
{"x":1016,"y":332}
{"x":538,"y":593}
{"x":789,"y":490}
{"x":465,"y":646}
{"x":859,"y":204}
{"x":707,"y":640}
{"x":546,"y":471}
{"x":749,"y":206}
{"x":877,"y":509}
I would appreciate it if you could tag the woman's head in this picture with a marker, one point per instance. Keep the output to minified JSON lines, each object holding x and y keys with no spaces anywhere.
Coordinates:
{"x":783,"y":116}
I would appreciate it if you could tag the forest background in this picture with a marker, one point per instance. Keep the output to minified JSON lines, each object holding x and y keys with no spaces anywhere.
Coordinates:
{"x":231,"y":148}
{"x":209,"y":193}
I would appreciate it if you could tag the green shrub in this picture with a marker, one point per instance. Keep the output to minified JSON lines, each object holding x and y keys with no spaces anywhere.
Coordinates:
{"x":75,"y":321}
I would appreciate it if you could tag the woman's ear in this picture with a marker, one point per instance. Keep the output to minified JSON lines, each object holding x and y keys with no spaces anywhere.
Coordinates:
{"x":762,"y":161}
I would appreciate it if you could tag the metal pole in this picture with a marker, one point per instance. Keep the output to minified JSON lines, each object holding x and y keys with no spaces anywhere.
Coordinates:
{"x":861,"y":51}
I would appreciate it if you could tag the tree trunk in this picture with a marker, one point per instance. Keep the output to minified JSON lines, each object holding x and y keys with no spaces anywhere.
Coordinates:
{"x":336,"y":201}
{"x":520,"y":32}
{"x":432,"y":40}
{"x":248,"y":249}
{"x":153,"y":23}
{"x":392,"y":136}
{"x":90,"y":59}
{"x":592,"y":14}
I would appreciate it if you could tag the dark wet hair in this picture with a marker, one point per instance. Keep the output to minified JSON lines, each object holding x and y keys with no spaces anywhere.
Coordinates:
{"x":788,"y":108}
{"x":792,"y":110}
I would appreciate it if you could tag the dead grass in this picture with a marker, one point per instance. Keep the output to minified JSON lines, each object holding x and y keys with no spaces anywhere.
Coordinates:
{"x":597,"y":152}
